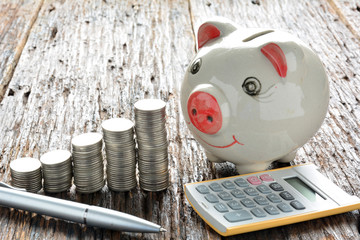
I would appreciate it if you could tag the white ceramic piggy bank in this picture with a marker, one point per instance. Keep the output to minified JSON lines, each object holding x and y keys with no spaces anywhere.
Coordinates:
{"x":252,"y":96}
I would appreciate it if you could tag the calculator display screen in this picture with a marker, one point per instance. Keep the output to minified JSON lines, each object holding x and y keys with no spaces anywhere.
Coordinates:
{"x":304,"y":189}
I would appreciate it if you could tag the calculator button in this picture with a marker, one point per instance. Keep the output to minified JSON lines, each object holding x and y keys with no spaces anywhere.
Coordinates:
{"x":211,"y":198}
{"x":287,"y":196}
{"x":254,"y":180}
{"x":258,"y":212}
{"x":248,"y":203}
{"x":234,"y":205}
{"x":225,"y":196}
{"x":229,"y":185}
{"x":202,"y":189}
{"x":273,"y":198}
{"x":297,"y":205}
{"x":271,"y":210}
{"x":220,"y":207}
{"x":238,"y":193}
{"x":251,"y":191}
{"x":263,"y":189}
{"x":266,"y":178}
{"x":216,"y":187}
{"x":276,"y":187}
{"x":241,"y":182}
{"x":261,"y":200}
{"x":284,"y":207}
{"x":238,"y":216}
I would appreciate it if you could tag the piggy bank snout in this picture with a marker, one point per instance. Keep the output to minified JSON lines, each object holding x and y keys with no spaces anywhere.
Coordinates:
{"x":204,"y":112}
{"x":208,"y":109}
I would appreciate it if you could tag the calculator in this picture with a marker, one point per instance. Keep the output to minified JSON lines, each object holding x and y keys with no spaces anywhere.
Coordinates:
{"x":267,"y":199}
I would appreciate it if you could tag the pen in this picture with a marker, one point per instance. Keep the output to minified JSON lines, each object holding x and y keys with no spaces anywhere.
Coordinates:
{"x":75,"y":212}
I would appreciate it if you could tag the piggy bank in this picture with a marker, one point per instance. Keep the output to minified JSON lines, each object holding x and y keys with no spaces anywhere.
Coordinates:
{"x":252,"y":96}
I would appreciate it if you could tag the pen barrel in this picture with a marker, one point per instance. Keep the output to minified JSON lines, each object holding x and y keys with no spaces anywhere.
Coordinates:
{"x":111,"y":219}
{"x":54,"y":207}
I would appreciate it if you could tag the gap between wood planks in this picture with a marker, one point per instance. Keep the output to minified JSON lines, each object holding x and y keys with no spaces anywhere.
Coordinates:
{"x":9,"y":71}
{"x":192,"y":24}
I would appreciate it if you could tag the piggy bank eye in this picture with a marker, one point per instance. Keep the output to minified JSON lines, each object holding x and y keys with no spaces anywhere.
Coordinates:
{"x":195,"y":67}
{"x":204,"y":112}
{"x":251,"y":86}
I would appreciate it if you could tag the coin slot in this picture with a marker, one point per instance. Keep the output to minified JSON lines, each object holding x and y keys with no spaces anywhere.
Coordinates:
{"x":256,"y":35}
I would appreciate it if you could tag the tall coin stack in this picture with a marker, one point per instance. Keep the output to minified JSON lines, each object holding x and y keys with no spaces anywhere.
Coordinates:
{"x":57,"y":170}
{"x":120,"y":154}
{"x":26,"y":174}
{"x":88,"y":162}
{"x":152,"y":144}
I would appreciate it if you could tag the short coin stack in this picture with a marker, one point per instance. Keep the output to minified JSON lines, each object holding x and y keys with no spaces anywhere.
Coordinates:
{"x":120,"y":154}
{"x":88,"y":162}
{"x":57,"y":170}
{"x":26,"y":174}
{"x":152,"y":144}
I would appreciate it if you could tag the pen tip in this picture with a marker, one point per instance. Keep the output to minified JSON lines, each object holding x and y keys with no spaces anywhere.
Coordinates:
{"x":162,"y":229}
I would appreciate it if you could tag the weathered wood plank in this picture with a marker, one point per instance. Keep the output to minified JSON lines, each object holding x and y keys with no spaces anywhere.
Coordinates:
{"x":335,"y":148}
{"x":84,"y":62}
{"x":348,"y":11}
{"x":16,"y":20}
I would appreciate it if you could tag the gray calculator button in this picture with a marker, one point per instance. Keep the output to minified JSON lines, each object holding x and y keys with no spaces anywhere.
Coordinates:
{"x":276,"y":187}
{"x":241,"y":182}
{"x":251,"y":191}
{"x":238,"y":193}
{"x":248,"y":203}
{"x":211,"y":198}
{"x":287,"y":196}
{"x":284,"y":207}
{"x":220,"y":207}
{"x":238,"y":216}
{"x":229,"y":185}
{"x":271,"y":210}
{"x":263,"y":189}
{"x":297,"y":205}
{"x":216,"y":187}
{"x":261,"y":200}
{"x":258,"y":212}
{"x":202,"y":189}
{"x":274,"y":198}
{"x":225,"y":196}
{"x":234,"y":205}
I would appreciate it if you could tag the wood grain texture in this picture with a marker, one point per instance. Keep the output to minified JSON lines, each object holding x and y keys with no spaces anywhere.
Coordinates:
{"x":16,"y":20}
{"x":348,"y":12}
{"x":86,"y":61}
{"x":335,"y":147}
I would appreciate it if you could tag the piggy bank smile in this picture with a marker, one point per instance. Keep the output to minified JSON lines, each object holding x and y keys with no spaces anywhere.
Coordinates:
{"x":252,"y":96}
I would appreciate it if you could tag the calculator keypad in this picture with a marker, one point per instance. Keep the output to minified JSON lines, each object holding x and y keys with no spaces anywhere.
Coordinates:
{"x":243,"y":199}
{"x":238,"y":216}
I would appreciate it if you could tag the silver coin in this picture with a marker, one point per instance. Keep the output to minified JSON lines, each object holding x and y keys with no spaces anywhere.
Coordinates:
{"x":57,"y":170}
{"x":86,"y":139}
{"x":151,"y":105}
{"x":88,"y":163}
{"x":117,"y":125}
{"x":25,"y":165}
{"x":26,"y":173}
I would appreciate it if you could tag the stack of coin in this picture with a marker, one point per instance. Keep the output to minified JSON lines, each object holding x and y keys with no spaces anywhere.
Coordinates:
{"x":120,"y":154}
{"x":26,"y":174}
{"x":57,"y":171}
{"x":88,"y":162}
{"x":152,"y":144}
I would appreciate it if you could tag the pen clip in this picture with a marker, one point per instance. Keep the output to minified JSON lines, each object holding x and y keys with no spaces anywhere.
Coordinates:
{"x":2,"y":184}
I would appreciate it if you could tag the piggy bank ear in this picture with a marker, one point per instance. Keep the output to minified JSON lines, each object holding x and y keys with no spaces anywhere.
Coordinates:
{"x":213,"y":29}
{"x":283,"y":56}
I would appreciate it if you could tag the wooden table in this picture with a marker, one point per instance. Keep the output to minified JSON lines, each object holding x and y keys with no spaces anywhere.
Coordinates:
{"x":65,"y":66}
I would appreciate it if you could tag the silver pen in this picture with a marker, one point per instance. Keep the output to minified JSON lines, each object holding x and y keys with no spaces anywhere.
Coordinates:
{"x":75,"y":212}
